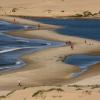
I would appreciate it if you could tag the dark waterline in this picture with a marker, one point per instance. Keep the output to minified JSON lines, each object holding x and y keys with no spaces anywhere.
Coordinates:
{"x":85,"y":28}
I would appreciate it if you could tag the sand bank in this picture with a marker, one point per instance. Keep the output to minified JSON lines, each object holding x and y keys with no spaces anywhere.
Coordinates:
{"x":50,"y":35}
{"x":17,"y":20}
{"x":46,"y":67}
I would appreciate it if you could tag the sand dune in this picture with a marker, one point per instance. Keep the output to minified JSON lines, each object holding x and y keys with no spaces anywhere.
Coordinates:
{"x":48,"y":7}
{"x":54,"y":93}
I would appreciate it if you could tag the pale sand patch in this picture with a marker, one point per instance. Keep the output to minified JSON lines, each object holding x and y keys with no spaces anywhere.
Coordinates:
{"x":47,"y":8}
{"x":89,"y":81}
{"x":66,"y":93}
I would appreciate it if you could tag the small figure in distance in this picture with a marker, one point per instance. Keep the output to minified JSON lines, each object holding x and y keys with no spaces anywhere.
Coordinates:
{"x":66,"y":43}
{"x":38,"y":26}
{"x":85,"y":42}
{"x":19,"y":83}
{"x":14,"y":20}
{"x":70,"y":44}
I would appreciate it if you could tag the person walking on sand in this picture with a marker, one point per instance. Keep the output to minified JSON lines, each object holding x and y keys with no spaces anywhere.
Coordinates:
{"x":66,"y":43}
{"x":71,"y":45}
{"x":38,"y":26}
{"x":14,"y":20}
{"x":85,"y":41}
{"x":19,"y":83}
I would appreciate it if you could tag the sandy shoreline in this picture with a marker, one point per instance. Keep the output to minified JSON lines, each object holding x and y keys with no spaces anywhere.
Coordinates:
{"x":53,"y":53}
{"x":23,"y":21}
{"x":46,"y":67}
{"x":48,"y":61}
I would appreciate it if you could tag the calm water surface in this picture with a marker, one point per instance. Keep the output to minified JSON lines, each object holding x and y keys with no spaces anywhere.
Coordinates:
{"x":82,"y":61}
{"x":12,"y":48}
{"x":85,"y":28}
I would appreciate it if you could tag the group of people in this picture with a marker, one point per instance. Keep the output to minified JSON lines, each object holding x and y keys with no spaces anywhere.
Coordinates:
{"x":70,"y":44}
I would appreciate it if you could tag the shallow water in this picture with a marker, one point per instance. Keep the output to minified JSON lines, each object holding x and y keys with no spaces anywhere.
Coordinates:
{"x":85,"y":28}
{"x":12,"y":48}
{"x":82,"y":61}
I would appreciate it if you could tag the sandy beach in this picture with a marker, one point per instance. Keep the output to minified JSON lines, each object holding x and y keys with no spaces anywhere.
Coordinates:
{"x":45,"y":76}
{"x":45,"y":68}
